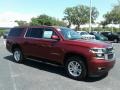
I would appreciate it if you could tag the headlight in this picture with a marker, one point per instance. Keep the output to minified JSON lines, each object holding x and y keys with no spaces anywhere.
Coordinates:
{"x":103,"y":53}
{"x":98,"y":50}
{"x":99,"y":53}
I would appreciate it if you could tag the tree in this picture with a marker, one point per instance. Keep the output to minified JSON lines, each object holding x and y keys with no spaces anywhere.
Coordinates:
{"x":68,"y":15}
{"x":41,"y":20}
{"x":46,"y":20}
{"x":79,"y":15}
{"x":114,"y":15}
{"x":21,"y":23}
{"x":103,"y":23}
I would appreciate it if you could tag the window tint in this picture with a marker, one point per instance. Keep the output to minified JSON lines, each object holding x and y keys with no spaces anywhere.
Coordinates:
{"x":69,"y":33}
{"x":15,"y":32}
{"x":84,"y":33}
{"x":48,"y":32}
{"x":35,"y":32}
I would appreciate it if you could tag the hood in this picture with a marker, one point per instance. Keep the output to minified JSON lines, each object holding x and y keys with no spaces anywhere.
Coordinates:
{"x":91,"y":43}
{"x":88,"y":35}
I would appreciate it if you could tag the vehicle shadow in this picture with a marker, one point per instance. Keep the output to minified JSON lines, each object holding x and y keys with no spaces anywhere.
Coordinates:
{"x":51,"y":68}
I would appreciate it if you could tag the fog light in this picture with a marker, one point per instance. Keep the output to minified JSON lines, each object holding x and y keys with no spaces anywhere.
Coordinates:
{"x":99,"y":55}
{"x":101,"y":68}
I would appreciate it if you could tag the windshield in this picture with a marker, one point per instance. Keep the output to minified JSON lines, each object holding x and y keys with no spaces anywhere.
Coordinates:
{"x":100,"y":36}
{"x":69,"y":33}
{"x":84,"y":33}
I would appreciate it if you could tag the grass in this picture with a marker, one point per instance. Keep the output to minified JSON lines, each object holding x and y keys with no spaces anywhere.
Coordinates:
{"x":2,"y":31}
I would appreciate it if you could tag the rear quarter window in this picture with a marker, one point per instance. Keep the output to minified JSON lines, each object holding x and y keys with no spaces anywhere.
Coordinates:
{"x":34,"y":32}
{"x":15,"y":32}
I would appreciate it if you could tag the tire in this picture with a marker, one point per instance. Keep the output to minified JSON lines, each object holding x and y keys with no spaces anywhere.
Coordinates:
{"x":75,"y":68}
{"x":18,"y":55}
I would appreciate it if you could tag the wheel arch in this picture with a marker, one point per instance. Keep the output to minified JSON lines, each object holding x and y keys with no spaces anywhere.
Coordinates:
{"x":70,"y":54}
{"x":15,"y":46}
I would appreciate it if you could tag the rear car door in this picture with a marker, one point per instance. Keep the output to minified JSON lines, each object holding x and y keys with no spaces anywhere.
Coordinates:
{"x":32,"y":42}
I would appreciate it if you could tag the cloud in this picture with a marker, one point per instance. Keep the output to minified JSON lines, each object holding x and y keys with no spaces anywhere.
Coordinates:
{"x":12,"y":16}
{"x":7,"y":18}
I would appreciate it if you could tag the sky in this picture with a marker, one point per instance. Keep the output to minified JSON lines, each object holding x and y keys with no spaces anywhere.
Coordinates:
{"x":11,"y":10}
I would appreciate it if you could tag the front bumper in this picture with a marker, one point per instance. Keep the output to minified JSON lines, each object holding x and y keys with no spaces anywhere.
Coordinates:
{"x":100,"y":67}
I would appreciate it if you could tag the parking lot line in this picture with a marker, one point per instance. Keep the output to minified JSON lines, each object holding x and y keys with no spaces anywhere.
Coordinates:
{"x":12,"y":76}
{"x":4,"y":42}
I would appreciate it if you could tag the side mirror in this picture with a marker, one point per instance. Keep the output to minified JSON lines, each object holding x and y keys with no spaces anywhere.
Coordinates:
{"x":55,"y":37}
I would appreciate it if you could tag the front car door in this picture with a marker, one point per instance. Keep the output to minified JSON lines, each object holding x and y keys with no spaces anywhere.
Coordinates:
{"x":52,"y":48}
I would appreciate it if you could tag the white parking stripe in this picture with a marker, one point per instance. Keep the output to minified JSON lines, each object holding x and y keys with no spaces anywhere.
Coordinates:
{"x":12,"y":77}
{"x":4,"y":42}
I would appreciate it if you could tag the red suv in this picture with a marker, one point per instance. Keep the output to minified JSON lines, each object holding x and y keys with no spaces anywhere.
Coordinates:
{"x":63,"y":46}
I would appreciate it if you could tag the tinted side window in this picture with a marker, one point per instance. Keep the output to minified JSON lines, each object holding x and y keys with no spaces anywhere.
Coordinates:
{"x":48,"y":32}
{"x":15,"y":32}
{"x":35,"y":32}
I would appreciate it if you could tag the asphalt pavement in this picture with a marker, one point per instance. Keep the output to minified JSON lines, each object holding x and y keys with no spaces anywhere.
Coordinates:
{"x":39,"y":76}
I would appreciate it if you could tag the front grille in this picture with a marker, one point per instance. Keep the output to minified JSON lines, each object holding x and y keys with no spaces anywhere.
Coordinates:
{"x":110,"y":50}
{"x":110,"y":56}
{"x":110,"y":53}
